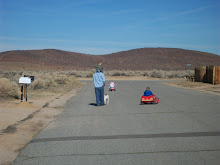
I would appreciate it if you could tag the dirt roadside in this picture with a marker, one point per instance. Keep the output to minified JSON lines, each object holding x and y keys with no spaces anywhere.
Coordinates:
{"x":197,"y":86}
{"x":20,"y":122}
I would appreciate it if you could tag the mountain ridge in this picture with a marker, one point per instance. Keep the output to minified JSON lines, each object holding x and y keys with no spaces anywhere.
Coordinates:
{"x":134,"y":59}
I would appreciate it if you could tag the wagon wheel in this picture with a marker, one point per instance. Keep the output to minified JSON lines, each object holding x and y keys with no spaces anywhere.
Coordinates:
{"x":156,"y":100}
{"x":141,"y":103}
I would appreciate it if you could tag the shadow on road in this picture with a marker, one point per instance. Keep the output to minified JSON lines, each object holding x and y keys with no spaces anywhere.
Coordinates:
{"x":147,"y":104}
{"x":94,"y":104}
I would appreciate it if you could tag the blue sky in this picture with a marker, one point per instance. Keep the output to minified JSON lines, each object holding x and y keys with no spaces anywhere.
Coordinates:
{"x":107,"y":26}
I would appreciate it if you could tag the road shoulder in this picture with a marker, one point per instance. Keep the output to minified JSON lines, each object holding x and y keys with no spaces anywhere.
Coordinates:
{"x":197,"y":86}
{"x":20,"y":122}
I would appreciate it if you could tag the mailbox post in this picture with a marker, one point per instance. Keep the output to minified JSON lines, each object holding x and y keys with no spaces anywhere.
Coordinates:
{"x":25,"y":80}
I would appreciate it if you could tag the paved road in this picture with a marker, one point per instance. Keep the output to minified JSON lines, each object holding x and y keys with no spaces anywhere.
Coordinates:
{"x":184,"y":128}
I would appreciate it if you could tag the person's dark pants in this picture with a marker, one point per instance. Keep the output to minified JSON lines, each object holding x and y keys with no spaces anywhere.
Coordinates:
{"x":99,"y":93}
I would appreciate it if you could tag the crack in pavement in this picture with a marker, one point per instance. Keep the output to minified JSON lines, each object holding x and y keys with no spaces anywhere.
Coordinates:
{"x":76,"y":116}
{"x":136,"y":136}
{"x":153,"y":112}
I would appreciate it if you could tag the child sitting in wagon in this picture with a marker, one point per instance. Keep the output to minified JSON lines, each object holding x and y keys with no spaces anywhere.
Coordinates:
{"x":147,"y":92}
{"x":112,"y":85}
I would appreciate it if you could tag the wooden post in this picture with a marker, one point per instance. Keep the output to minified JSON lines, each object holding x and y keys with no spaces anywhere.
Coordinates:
{"x":25,"y":91}
{"x":24,"y":81}
{"x":213,"y":76}
{"x":22,"y":89}
{"x":21,"y":92}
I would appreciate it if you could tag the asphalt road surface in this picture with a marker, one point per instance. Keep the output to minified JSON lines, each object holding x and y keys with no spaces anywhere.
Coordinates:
{"x":184,"y":128}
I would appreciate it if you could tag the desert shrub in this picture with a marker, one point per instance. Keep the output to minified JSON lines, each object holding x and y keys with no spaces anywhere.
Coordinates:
{"x":50,"y":83}
{"x":61,"y":79}
{"x":108,"y":73}
{"x":131,"y":73}
{"x":90,"y":74}
{"x":8,"y":89}
{"x":54,"y":79}
{"x":185,"y":73}
{"x":138,"y":73}
{"x":49,"y":80}
{"x":120,"y":73}
{"x":43,"y":84}
{"x":38,"y":84}
{"x":46,"y":81}
{"x":81,"y":73}
{"x":116,"y":74}
{"x":9,"y":75}
{"x":47,"y":76}
{"x":158,"y":74}
{"x":190,"y":72}
{"x":171,"y":75}
{"x":179,"y":74}
{"x":123,"y":74}
{"x":71,"y":73}
{"x":74,"y":82}
{"x":145,"y":74}
{"x":12,"y":76}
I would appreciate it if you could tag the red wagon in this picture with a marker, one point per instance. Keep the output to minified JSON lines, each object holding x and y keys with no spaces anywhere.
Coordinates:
{"x":112,"y":89}
{"x":149,"y":99}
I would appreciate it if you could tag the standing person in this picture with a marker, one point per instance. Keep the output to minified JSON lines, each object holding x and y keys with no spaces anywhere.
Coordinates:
{"x":99,"y":66}
{"x":99,"y":83}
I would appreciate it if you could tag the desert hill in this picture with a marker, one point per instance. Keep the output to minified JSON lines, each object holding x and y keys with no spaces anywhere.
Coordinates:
{"x":135,"y":59}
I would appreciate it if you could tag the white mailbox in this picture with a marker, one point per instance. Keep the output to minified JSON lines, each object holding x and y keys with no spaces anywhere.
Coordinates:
{"x":25,"y":80}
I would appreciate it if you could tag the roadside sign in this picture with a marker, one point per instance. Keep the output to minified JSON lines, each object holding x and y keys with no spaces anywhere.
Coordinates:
{"x":24,"y":80}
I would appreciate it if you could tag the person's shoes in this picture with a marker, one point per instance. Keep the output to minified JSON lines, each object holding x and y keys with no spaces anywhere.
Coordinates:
{"x":100,"y":105}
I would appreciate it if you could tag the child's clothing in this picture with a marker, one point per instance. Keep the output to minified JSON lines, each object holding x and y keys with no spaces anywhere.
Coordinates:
{"x":148,"y":93}
{"x":112,"y":85}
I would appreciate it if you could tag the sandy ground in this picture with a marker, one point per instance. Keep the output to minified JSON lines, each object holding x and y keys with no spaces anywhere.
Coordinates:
{"x":198,"y":86}
{"x":21,"y":121}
